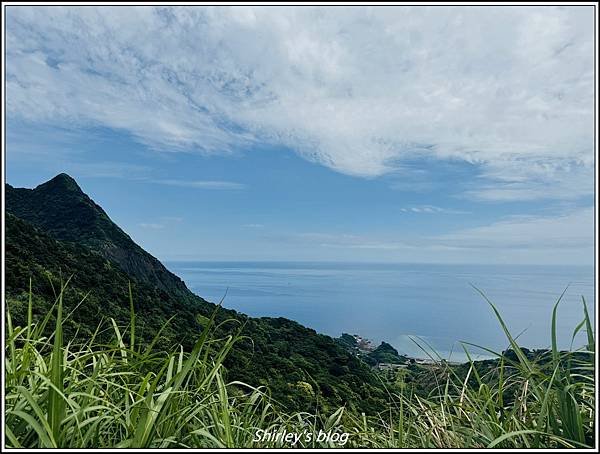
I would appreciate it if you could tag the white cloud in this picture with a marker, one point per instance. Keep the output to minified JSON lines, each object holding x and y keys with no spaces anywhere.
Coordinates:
{"x":356,"y":89}
{"x":570,"y":231}
{"x":566,"y":238}
{"x":202,"y":184}
{"x":172,"y":219}
{"x":431,"y":209}
{"x":152,"y":225}
{"x":530,"y":179}
{"x":102,"y":169}
{"x":164,"y":222}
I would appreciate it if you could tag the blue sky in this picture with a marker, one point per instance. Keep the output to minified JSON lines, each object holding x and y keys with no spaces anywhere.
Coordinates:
{"x":391,"y":135}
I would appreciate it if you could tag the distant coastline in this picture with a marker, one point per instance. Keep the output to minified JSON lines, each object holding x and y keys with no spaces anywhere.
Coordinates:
{"x":392,"y":299}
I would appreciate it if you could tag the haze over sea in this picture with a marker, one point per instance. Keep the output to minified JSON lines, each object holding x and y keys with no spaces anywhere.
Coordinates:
{"x":393,"y":302}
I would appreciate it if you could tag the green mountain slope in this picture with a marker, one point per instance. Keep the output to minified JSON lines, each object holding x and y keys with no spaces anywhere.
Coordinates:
{"x":100,"y":283}
{"x":64,"y":211}
{"x":56,"y":230}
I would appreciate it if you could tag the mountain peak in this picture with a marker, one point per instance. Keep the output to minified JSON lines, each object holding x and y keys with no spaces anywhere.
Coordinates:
{"x":63,"y":181}
{"x":61,"y":209}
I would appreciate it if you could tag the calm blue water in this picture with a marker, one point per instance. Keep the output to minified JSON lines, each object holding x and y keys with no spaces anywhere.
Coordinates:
{"x":399,"y":301}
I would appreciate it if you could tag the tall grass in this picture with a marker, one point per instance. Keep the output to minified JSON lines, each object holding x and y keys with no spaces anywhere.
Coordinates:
{"x":88,"y":394}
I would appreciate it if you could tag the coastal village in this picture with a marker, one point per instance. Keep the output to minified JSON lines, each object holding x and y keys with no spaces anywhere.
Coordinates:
{"x":364,"y":347}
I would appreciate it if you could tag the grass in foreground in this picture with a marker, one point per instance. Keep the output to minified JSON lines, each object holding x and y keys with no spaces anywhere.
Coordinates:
{"x":74,"y":394}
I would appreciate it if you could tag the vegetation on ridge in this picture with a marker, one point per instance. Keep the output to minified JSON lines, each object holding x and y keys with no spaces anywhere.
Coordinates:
{"x":76,"y":394}
{"x":59,"y":235}
{"x":89,"y":365}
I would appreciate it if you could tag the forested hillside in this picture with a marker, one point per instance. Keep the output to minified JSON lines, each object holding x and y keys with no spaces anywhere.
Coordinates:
{"x":56,"y":233}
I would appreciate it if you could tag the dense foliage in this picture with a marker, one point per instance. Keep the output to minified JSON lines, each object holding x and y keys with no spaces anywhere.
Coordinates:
{"x":62,"y":210}
{"x":106,"y":348}
{"x":63,"y":237}
{"x":65,"y":393}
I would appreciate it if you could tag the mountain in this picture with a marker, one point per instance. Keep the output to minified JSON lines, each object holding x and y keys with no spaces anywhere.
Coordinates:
{"x":60,"y":208}
{"x":384,"y":353}
{"x":31,"y":253}
{"x":55,"y":232}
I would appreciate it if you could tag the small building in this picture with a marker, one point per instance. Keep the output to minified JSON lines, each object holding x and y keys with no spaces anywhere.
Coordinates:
{"x":391,"y":366}
{"x":426,"y":362}
{"x":363,"y":344}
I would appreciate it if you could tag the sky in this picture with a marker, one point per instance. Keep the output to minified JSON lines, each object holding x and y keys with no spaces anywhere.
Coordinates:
{"x":391,"y":134}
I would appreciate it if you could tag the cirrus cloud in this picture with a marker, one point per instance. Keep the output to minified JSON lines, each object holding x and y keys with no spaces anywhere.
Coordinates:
{"x":355,"y":89}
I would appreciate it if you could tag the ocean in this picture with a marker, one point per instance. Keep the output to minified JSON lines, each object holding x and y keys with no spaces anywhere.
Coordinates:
{"x":418,"y":308}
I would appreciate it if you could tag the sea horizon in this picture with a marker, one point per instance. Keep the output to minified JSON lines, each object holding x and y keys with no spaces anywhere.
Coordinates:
{"x":365,"y":262}
{"x":397,"y":302}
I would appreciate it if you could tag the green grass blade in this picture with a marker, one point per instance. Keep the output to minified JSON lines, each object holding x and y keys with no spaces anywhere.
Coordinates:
{"x":132,"y":318}
{"x":56,"y":405}
{"x":46,"y":438}
{"x":555,"y":352}
{"x":588,"y":324}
